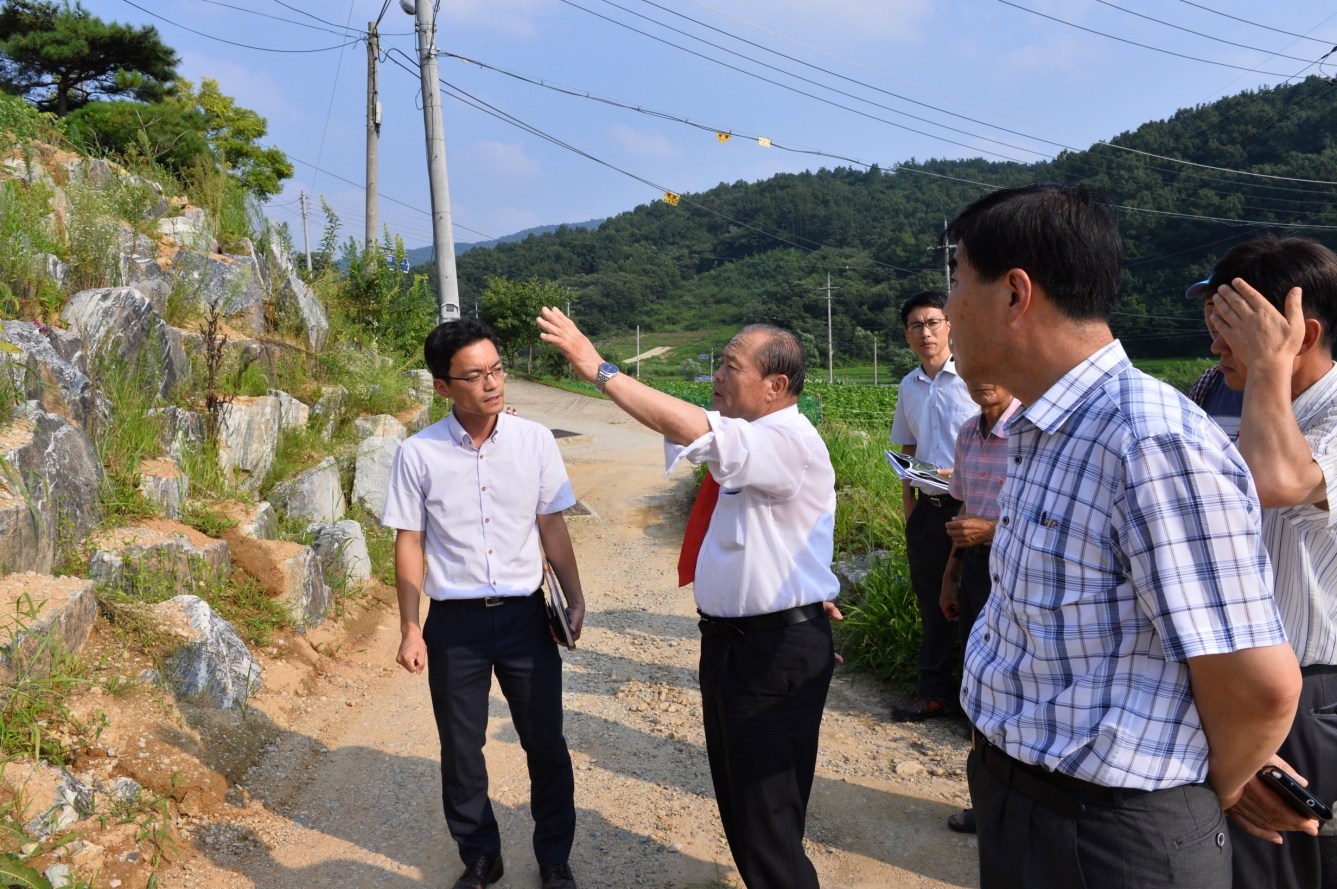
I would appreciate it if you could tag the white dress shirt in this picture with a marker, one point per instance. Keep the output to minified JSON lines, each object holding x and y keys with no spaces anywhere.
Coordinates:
{"x":771,"y":537}
{"x":929,"y":413}
{"x":1302,"y":540}
{"x":478,"y":507}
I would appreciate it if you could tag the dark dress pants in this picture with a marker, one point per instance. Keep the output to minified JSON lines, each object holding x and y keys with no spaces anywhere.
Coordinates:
{"x":1170,"y":838}
{"x":1302,"y":861}
{"x":928,"y":548}
{"x":975,"y":585}
{"x":466,"y":644}
{"x":762,"y":697}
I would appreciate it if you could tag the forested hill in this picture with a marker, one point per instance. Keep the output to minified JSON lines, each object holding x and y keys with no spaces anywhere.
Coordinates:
{"x":759,"y":251}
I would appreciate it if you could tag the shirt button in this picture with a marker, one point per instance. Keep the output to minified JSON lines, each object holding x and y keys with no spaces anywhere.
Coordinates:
{"x":489,"y":552}
{"x":986,"y":637}
{"x":485,"y":521}
{"x":484,"y":487}
{"x":1017,"y":459}
{"x":995,"y":578}
{"x":494,"y":583}
{"x":1004,"y":520}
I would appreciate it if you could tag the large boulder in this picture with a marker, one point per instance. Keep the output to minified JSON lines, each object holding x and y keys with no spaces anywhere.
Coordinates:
{"x":294,"y":413}
{"x":42,"y":617}
{"x":380,"y":426}
{"x":56,"y":271}
{"x":50,"y":488}
{"x":249,"y":438}
{"x":316,"y":495}
{"x":325,"y":412}
{"x":120,"y":325}
{"x":182,"y":431}
{"x":342,"y":550}
{"x":229,"y":283}
{"x":44,"y":375}
{"x":289,"y":571}
{"x":299,"y":303}
{"x":91,"y":171}
{"x":371,"y":483}
{"x":163,"y":483}
{"x":416,"y":419}
{"x":421,"y":388}
{"x":191,"y":230}
{"x":150,"y":557}
{"x":210,"y":666}
{"x":281,"y":263}
{"x":262,"y":522}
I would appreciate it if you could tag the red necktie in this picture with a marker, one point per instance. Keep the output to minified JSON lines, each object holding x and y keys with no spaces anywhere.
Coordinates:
{"x":697,"y":525}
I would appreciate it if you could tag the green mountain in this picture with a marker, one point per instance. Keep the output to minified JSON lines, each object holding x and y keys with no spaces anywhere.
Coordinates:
{"x":746,"y":252}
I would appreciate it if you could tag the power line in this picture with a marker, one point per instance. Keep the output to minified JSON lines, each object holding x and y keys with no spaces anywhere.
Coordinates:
{"x":233,"y":42}
{"x":274,"y":17}
{"x":335,"y":25}
{"x":1255,"y":24}
{"x":334,"y":89}
{"x":1269,"y":52}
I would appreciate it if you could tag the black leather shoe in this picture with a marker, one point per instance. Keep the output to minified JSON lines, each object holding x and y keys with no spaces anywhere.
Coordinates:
{"x":482,"y":873}
{"x":557,"y":876}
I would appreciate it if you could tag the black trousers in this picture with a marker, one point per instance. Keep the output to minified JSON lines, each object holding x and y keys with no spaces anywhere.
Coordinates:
{"x":1176,"y":837}
{"x":975,"y":584}
{"x":1302,"y":861}
{"x":466,"y":644}
{"x":928,"y":548}
{"x":762,"y":697}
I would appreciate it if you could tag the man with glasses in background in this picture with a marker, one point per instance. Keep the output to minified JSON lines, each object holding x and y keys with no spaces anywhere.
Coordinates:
{"x":932,"y":404}
{"x":472,"y":497}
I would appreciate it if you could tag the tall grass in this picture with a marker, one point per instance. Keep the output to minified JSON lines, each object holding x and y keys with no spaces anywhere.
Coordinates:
{"x":32,"y":704}
{"x":26,"y":232}
{"x":126,"y":433}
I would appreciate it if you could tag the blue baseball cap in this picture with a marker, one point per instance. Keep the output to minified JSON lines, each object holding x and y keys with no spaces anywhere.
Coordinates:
{"x":1201,"y":289}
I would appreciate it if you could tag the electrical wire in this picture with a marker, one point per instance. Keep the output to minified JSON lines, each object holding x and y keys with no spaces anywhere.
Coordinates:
{"x":1255,"y":24}
{"x":274,"y":17}
{"x":334,"y":90}
{"x":1271,"y":53}
{"x":233,"y":42}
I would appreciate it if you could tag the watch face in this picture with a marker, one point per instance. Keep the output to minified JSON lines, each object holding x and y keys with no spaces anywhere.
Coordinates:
{"x":608,"y":368}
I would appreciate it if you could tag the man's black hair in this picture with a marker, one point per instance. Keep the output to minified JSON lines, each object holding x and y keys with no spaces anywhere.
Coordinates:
{"x":1065,"y":237}
{"x":451,"y":336}
{"x":1272,"y":266}
{"x":780,"y":352}
{"x":934,"y":299}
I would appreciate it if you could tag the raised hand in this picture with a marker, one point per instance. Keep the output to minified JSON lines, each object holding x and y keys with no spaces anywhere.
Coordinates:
{"x":1253,"y":328}
{"x":562,"y":332}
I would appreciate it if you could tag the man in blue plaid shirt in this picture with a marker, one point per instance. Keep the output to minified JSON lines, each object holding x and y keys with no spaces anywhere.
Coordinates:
{"x":1130,"y":672}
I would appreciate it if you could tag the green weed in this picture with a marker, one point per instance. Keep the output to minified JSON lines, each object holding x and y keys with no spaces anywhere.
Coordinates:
{"x":127,"y":435}
{"x":33,"y":717}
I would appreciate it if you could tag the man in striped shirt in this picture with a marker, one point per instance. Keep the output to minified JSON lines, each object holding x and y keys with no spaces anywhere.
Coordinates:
{"x":1130,"y":673}
{"x":1275,"y":308}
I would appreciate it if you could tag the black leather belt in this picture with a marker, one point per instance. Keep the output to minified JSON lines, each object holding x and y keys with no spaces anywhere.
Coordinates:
{"x":723,"y":626}
{"x":942,"y":501}
{"x":485,"y":602}
{"x":1052,"y":790}
{"x":979,"y":551}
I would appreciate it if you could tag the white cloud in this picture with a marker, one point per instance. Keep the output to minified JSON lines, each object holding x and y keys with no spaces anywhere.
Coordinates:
{"x":502,"y":159}
{"x":651,"y":144}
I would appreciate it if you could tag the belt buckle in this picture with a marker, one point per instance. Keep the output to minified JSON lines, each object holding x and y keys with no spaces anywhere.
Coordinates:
{"x":493,"y":601}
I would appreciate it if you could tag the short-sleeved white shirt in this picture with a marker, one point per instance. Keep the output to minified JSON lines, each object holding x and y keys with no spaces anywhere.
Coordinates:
{"x":929,"y":413}
{"x":478,"y":507}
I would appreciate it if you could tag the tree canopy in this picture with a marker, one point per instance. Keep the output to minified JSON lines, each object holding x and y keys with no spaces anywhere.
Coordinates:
{"x":61,"y":57}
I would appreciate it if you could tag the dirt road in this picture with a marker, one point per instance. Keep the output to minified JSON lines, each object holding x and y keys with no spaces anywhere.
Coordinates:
{"x":349,"y":795}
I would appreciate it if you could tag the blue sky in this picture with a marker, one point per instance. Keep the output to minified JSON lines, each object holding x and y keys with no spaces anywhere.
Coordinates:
{"x":984,"y":59}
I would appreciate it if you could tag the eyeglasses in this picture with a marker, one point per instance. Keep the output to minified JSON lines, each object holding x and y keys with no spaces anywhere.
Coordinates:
{"x":931,"y":325}
{"x":498,"y":373}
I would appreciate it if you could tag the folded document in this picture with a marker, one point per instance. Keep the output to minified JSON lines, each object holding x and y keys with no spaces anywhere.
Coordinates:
{"x":918,"y":473}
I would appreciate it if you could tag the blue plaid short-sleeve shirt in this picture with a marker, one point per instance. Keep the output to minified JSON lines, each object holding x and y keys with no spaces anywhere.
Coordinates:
{"x":1129,"y":541}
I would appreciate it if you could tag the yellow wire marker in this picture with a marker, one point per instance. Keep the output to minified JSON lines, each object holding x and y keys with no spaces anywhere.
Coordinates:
{"x":764,"y":142}
{"x":723,"y":137}
{"x":671,"y":199}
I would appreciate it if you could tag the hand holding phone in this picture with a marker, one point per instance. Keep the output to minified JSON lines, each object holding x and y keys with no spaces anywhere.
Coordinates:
{"x":1294,"y":795}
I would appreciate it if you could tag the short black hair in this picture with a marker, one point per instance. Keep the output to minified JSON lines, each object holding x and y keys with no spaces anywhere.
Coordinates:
{"x":1065,"y":237}
{"x":935,"y":299}
{"x":451,"y":336}
{"x":779,"y":353}
{"x":1273,"y":265}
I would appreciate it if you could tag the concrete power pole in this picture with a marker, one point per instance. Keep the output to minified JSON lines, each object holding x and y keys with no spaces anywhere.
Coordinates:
{"x":306,"y":234}
{"x":443,"y":234}
{"x":638,"y":351}
{"x":373,"y":134}
{"x":830,"y":344}
{"x":874,"y":359}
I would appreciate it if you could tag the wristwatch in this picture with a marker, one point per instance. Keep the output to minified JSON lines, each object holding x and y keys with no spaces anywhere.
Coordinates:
{"x":607,"y":371}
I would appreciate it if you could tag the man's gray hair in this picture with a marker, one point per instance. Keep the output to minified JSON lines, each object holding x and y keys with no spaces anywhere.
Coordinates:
{"x":778,"y":352}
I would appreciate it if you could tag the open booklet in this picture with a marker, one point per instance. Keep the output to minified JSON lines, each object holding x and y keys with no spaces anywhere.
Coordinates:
{"x":921,"y":474}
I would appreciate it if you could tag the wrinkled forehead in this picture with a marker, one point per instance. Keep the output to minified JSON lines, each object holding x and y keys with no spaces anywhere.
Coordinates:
{"x":742,"y":348}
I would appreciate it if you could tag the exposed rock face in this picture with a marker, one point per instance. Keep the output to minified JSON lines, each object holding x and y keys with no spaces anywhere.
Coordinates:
{"x":157,"y":555}
{"x":263,"y":523}
{"x":325,"y":412}
{"x":293,"y":412}
{"x":120,"y":324}
{"x":53,"y":268}
{"x":40,"y":616}
{"x":163,"y":482}
{"x":375,"y":456}
{"x":301,"y":304}
{"x":342,"y":550}
{"x":249,"y":437}
{"x":421,"y":388}
{"x":51,"y":380}
{"x":416,"y":419}
{"x":381,"y":426}
{"x":50,"y":482}
{"x":853,"y":570}
{"x":211,"y":666}
{"x":232,"y":283}
{"x":289,"y":571}
{"x":191,"y":230}
{"x":281,"y":264}
{"x":316,"y":494}
{"x":90,"y":171}
{"x":182,"y":430}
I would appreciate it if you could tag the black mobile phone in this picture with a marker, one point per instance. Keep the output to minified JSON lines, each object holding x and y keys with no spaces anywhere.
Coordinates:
{"x":1296,"y":797}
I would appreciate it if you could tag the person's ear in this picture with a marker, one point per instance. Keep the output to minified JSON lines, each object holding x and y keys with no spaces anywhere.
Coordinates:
{"x":776,"y":386}
{"x":1021,"y":294}
{"x":441,"y":387}
{"x":1313,"y":335}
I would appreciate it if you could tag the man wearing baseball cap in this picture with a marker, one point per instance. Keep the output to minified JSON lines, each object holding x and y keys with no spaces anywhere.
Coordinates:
{"x":1210,"y":392}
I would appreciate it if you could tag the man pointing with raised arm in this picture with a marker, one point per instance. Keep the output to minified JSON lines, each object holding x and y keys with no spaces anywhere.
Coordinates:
{"x":758,"y":546}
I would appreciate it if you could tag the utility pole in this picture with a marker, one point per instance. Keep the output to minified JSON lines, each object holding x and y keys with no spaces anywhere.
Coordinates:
{"x":638,"y":351}
{"x":443,"y":233}
{"x":373,"y":133}
{"x":306,"y":234}
{"x":830,"y":343}
{"x":946,"y":248}
{"x":875,"y":359}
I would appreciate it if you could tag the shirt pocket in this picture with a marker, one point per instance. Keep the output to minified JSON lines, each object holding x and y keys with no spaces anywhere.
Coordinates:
{"x":729,"y":522}
{"x":1060,"y":565}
